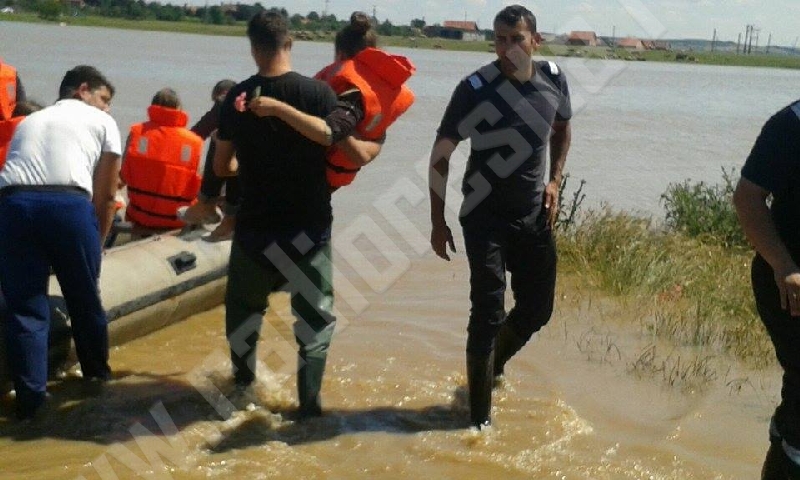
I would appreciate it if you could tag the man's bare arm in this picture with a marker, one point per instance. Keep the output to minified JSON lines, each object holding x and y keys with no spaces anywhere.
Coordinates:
{"x":438,"y":173}
{"x":104,"y":186}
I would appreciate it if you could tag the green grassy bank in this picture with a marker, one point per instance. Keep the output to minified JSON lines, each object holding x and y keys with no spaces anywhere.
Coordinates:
{"x":192,"y":25}
{"x":689,"y":275}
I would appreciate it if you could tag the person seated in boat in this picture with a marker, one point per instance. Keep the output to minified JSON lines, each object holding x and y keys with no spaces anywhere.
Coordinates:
{"x":372,"y":94}
{"x":7,"y":127}
{"x":160,"y":165}
{"x":205,"y":210}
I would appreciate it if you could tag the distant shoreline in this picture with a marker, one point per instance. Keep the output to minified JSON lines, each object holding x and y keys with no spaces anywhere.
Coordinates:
{"x":600,"y":53}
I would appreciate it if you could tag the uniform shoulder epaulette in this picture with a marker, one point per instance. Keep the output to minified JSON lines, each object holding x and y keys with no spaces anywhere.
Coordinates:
{"x":550,"y":67}
{"x":475,"y":81}
{"x":483,"y":76}
{"x":796,"y":108}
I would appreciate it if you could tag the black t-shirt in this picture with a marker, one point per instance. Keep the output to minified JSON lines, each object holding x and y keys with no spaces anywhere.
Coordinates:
{"x":774,"y":165}
{"x":281,"y":173}
{"x":509,"y":124}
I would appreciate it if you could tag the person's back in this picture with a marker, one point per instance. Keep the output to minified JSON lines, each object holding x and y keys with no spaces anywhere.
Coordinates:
{"x":161,"y":161}
{"x":282,"y":231}
{"x":63,"y":131}
{"x":282,"y":174}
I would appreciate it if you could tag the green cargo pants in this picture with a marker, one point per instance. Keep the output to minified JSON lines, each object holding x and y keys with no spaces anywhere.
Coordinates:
{"x":246,"y":300}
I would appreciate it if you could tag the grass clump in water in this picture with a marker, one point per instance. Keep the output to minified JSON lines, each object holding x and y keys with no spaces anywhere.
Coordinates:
{"x":691,"y":274}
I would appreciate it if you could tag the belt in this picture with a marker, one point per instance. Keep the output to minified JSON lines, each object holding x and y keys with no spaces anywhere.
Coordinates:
{"x":10,"y":189}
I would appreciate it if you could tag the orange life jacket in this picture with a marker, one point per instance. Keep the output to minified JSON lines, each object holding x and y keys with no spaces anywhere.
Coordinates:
{"x":7,"y":128}
{"x":8,"y":90}
{"x":160,"y":168}
{"x":380,"y":77}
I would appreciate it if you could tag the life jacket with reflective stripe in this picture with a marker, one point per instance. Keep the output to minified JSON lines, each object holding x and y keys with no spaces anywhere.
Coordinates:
{"x":160,"y":168}
{"x":380,"y":77}
{"x":7,"y":128}
{"x":8,"y":90}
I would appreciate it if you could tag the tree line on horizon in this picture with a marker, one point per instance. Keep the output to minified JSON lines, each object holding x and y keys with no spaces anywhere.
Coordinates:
{"x":223,"y":14}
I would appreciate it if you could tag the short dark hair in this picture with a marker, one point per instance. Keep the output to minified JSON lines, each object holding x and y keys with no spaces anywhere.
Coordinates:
{"x":166,"y":97}
{"x":80,"y":75}
{"x":268,"y":31}
{"x":512,"y":14}
{"x":355,"y":36}
{"x":222,"y":87}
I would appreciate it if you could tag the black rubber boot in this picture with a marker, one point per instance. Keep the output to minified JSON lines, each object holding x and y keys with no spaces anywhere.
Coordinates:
{"x":507,"y":344}
{"x":309,"y":384}
{"x":480,"y":379}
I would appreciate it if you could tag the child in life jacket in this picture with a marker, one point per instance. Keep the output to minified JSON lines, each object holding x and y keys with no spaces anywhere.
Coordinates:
{"x":372,"y":94}
{"x":160,"y":166}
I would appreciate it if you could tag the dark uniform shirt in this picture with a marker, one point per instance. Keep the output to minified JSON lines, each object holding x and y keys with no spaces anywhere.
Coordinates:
{"x":774,"y":165}
{"x":509,"y":124}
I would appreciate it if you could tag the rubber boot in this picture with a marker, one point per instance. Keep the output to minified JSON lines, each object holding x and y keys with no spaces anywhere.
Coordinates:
{"x":507,"y":344}
{"x":479,"y":378}
{"x":309,"y":385}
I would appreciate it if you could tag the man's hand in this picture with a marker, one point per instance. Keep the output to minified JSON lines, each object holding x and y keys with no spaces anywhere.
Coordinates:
{"x":264,"y":106}
{"x":551,"y":202}
{"x":788,"y":283}
{"x":441,"y":236}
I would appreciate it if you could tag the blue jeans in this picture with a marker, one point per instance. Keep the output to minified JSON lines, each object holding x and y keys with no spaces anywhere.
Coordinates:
{"x":40,"y":230}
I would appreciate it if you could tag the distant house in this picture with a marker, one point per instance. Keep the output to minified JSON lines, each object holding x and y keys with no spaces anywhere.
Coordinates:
{"x":631,"y":43}
{"x":456,"y":30}
{"x":661,"y":45}
{"x":548,"y":37}
{"x":582,"y":38}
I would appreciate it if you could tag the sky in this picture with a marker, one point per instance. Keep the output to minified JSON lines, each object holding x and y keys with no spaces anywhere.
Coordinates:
{"x":640,"y":18}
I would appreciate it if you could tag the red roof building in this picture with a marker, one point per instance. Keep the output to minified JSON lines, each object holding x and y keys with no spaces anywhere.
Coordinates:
{"x":458,"y":25}
{"x":586,"y":39}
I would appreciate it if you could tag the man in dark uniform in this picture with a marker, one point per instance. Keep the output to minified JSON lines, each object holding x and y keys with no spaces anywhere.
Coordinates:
{"x":773,"y":169}
{"x":283,"y":226}
{"x":510,"y":110}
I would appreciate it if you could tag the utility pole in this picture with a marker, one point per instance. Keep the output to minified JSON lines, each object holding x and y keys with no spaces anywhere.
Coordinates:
{"x":738,"y":41}
{"x":714,"y":40}
{"x":747,"y":34}
{"x":794,"y":47}
{"x":374,"y":13}
{"x":769,"y":42}
{"x":613,"y":36}
{"x":757,"y":30}
{"x":325,"y":10}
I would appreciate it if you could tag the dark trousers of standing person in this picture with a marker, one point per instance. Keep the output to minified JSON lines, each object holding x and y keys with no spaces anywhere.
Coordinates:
{"x":211,"y":185}
{"x":783,"y":458}
{"x":40,"y":228}
{"x":250,"y":281}
{"x":527,"y":251}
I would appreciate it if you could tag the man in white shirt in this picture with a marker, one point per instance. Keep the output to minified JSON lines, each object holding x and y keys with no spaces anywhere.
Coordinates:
{"x":56,"y":208}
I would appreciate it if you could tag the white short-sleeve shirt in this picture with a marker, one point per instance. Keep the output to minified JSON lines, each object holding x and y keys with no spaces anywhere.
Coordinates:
{"x":60,"y":145}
